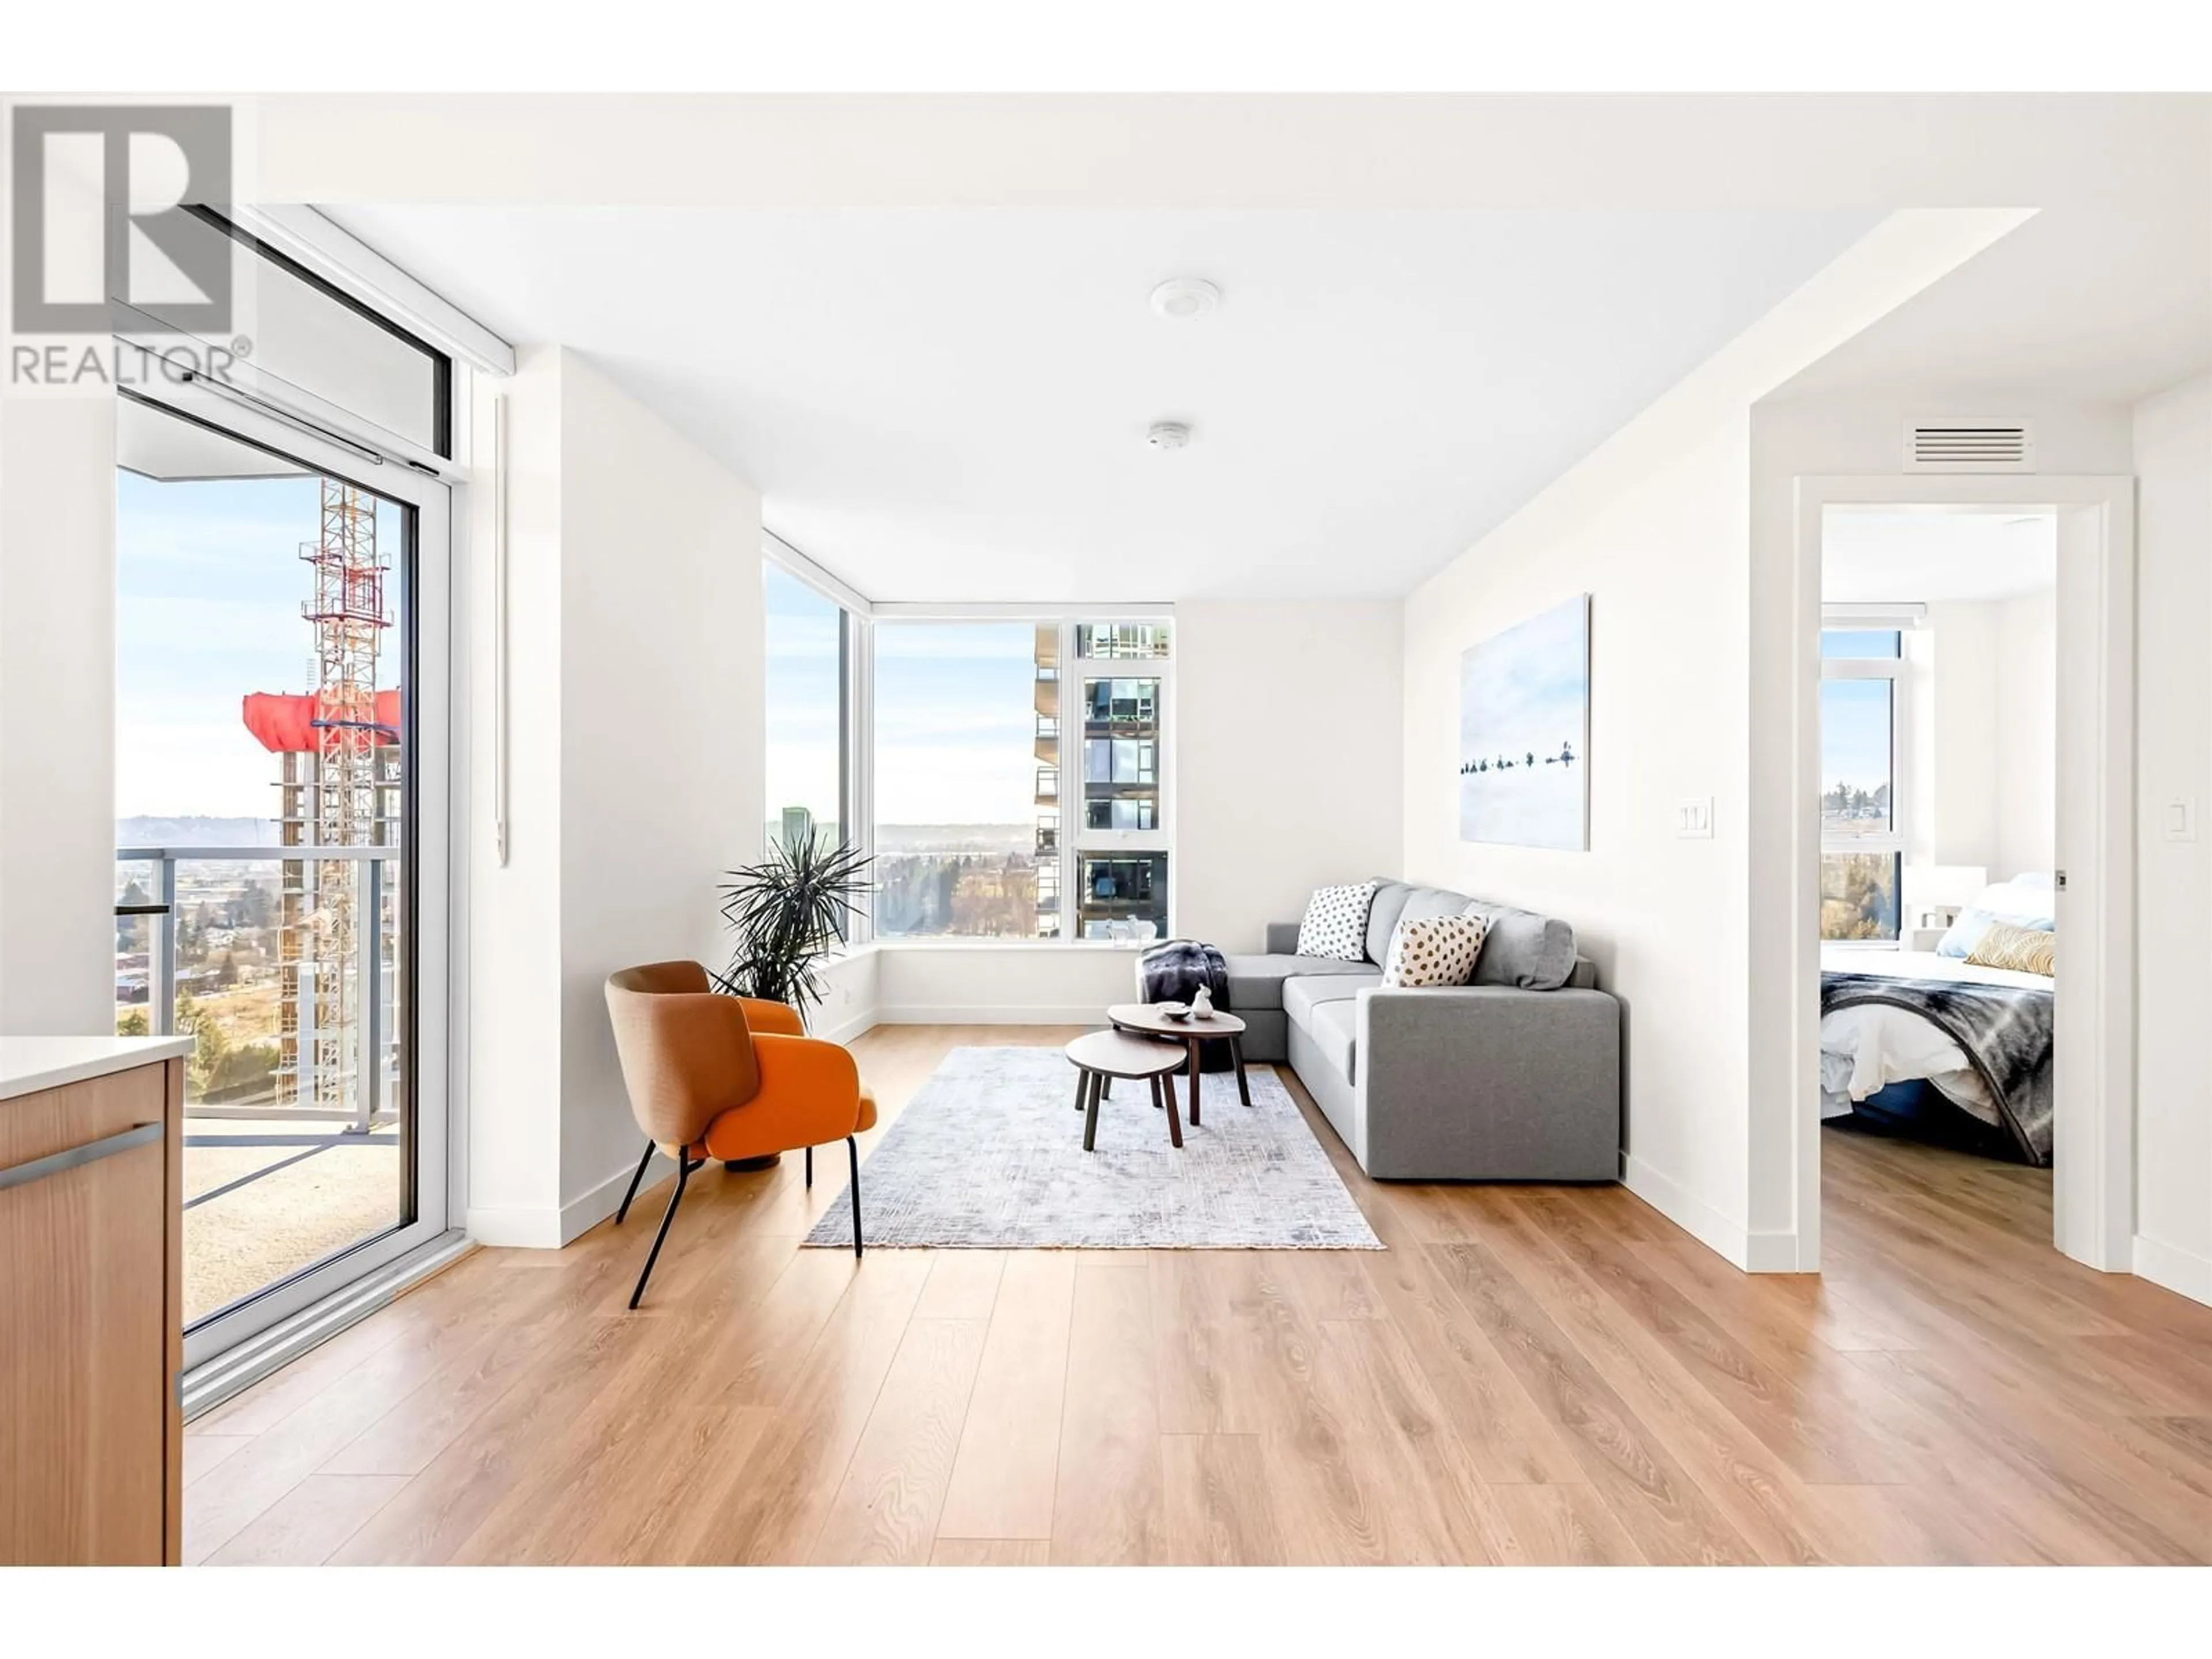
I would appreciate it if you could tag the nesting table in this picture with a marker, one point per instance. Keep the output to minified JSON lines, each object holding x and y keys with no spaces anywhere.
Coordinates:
{"x":1146,"y":1018}
{"x":1145,"y":1043}
{"x":1100,"y":1056}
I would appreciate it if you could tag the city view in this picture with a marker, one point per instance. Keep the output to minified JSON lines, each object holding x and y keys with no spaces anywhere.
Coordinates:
{"x":258,"y":708}
{"x":1859,"y":886}
{"x":971,"y":749}
{"x":226,"y":954}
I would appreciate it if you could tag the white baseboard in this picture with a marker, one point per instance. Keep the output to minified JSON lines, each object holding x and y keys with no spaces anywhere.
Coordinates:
{"x":516,"y":1229}
{"x":851,"y":1026}
{"x":2183,"y":1272}
{"x":1007,"y":1013}
{"x":585,"y":1211}
{"x":1715,"y":1231}
{"x":550,"y":1230}
{"x":1776,"y":1252}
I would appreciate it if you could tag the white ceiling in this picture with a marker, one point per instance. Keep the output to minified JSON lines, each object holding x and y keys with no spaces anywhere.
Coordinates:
{"x":1926,"y":556}
{"x":2078,"y":302}
{"x":951,"y":405}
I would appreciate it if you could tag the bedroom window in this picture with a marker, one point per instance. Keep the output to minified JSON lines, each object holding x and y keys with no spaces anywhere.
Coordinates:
{"x":1863,"y":692}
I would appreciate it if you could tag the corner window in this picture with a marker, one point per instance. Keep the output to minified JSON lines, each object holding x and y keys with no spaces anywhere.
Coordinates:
{"x":808,"y":635}
{"x":1020,"y":776}
{"x":967,"y":757}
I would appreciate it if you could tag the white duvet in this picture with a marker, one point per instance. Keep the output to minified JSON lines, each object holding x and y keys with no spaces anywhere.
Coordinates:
{"x":1865,"y":1049}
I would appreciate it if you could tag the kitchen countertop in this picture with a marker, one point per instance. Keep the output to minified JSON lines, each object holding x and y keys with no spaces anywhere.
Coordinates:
{"x":28,"y":1064}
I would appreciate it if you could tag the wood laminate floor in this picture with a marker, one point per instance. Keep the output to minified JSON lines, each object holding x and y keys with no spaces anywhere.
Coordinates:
{"x":1528,"y":1373}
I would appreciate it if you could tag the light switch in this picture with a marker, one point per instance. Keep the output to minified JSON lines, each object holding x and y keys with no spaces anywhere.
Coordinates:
{"x":2180,"y":818}
{"x":1693,"y":819}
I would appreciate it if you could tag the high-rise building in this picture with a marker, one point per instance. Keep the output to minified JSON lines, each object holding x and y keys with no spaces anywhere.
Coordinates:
{"x":1048,"y":780}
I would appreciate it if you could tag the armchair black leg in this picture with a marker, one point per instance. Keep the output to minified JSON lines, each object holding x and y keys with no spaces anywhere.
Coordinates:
{"x":623,"y":1213}
{"x":853,"y":1150}
{"x":810,"y":1166}
{"x":683,"y":1168}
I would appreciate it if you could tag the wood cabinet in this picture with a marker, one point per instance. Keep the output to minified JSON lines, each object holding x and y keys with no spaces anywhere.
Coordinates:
{"x":91,"y":1304}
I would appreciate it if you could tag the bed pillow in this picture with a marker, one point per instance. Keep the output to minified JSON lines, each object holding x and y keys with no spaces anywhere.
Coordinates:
{"x":2021,"y":950}
{"x":1336,"y":924}
{"x":1433,"y":950}
{"x":2017,"y":903}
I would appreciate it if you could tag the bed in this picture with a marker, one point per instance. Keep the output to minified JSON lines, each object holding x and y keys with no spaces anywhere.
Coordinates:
{"x":1904,"y":1032}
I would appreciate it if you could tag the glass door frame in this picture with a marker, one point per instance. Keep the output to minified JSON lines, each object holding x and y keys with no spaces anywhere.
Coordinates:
{"x":427,"y":844}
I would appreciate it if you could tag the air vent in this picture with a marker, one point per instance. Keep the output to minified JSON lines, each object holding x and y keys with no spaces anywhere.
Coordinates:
{"x":1970,"y":447}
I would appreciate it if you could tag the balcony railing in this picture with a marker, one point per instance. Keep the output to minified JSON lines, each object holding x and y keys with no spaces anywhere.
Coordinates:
{"x":369,"y":1106}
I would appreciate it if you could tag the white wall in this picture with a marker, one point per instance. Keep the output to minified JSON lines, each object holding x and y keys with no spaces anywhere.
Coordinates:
{"x":1956,"y":771}
{"x":1658,"y":546}
{"x":2026,"y":692}
{"x":57,"y":714}
{"x":1290,"y":768}
{"x":1003,"y":983}
{"x":662,"y":741}
{"x":636,"y":777}
{"x":1983,"y":766}
{"x":1654,"y":525}
{"x":1853,"y":436}
{"x":2173,"y":438}
{"x":512,"y":1025}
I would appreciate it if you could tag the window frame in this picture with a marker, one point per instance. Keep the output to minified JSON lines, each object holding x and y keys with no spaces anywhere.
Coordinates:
{"x":1079,"y":840}
{"x":248,"y":380}
{"x":855,"y":706}
{"x":1898,"y":671}
{"x":431,"y":972}
{"x":1072,"y":840}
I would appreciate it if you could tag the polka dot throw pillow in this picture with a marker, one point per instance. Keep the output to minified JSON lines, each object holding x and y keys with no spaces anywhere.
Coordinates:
{"x":1438,"y":951}
{"x":1336,"y":924}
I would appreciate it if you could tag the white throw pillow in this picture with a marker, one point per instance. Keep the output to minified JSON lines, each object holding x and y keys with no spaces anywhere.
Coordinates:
{"x":1434,"y":951}
{"x":1336,"y":924}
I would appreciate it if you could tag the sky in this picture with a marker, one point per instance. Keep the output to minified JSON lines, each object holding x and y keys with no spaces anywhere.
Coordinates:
{"x":1855,"y":733}
{"x":954,"y":715}
{"x":209,"y":584}
{"x":1855,"y":721}
{"x":956,"y":722}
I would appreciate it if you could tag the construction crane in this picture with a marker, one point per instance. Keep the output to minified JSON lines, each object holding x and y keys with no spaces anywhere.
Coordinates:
{"x":339,"y":746}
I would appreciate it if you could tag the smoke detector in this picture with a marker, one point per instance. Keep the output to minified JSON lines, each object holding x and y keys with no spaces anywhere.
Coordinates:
{"x":1168,"y":434}
{"x":1185,"y":298}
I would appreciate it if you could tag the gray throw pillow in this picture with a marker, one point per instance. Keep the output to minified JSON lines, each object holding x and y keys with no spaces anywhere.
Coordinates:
{"x":1522,"y":949}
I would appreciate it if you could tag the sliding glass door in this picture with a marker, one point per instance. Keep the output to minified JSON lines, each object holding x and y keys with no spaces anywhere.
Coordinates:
{"x":281,"y":842}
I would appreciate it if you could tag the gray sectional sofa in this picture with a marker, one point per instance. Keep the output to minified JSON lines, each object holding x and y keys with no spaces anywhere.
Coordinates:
{"x":1516,"y":1077}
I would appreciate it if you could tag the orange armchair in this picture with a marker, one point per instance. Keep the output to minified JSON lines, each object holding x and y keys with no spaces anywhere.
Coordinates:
{"x":714,"y":1076}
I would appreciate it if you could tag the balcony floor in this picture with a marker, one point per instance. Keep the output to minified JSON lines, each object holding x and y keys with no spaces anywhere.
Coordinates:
{"x":264,"y":1198}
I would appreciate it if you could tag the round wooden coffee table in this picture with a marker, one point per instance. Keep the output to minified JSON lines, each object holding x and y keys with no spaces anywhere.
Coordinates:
{"x":1146,"y":1017}
{"x":1099,"y":1055}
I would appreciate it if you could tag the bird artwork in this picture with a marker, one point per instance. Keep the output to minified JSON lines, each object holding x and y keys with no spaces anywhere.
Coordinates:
{"x":1522,"y":782}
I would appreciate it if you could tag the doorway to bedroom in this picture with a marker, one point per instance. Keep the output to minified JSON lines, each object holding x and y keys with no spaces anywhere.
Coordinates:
{"x":1939,"y":873}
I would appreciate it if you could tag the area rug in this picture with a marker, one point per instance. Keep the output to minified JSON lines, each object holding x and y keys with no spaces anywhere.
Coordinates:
{"x":988,"y":1154}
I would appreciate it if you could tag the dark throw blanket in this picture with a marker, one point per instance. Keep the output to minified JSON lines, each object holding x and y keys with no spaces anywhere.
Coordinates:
{"x":1173,"y":971}
{"x":2005,"y":1030}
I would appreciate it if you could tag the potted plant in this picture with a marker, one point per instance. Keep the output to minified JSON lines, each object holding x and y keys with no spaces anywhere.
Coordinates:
{"x":789,"y":912}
